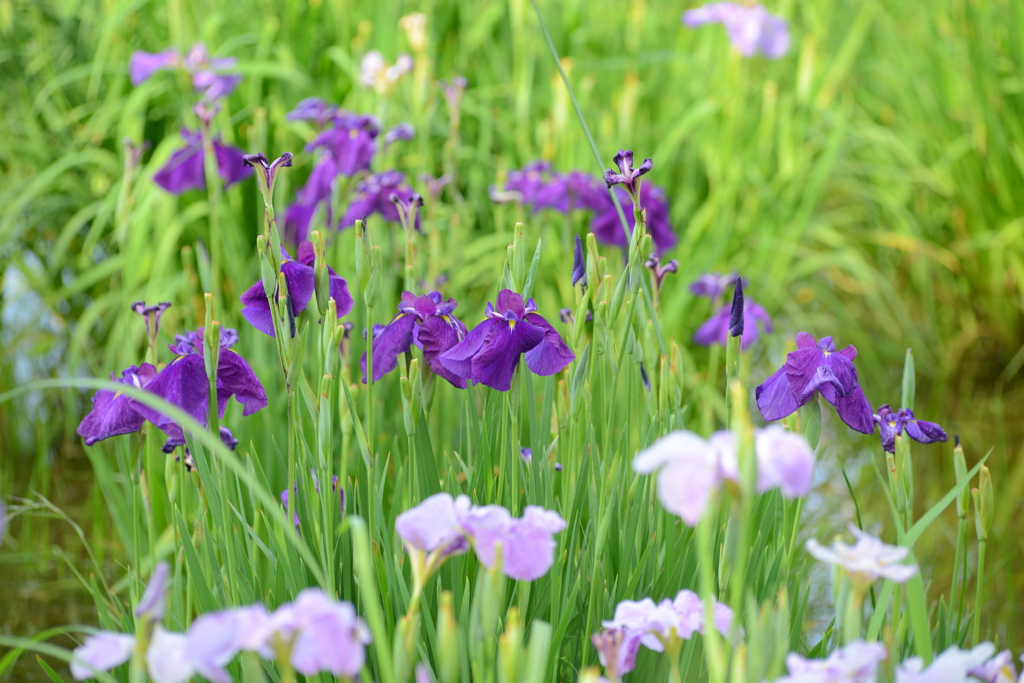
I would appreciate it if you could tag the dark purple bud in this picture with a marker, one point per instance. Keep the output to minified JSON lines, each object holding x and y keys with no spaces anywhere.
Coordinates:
{"x":403,"y":131}
{"x":644,"y":377}
{"x":527,"y":454}
{"x":736,"y":312}
{"x":956,"y":440}
{"x":558,"y":467}
{"x":566,"y":316}
{"x":579,"y":269}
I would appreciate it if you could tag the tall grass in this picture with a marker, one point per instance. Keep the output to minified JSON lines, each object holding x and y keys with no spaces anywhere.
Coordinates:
{"x":867,"y":186}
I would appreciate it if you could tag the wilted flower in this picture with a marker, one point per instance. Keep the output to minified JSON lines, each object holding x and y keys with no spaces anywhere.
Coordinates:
{"x":114,"y":413}
{"x":313,"y":109}
{"x":691,"y":469}
{"x":815,"y":367}
{"x":856,"y":662}
{"x":627,"y":176}
{"x":101,"y":651}
{"x":425,"y":321}
{"x":999,"y":669}
{"x":715,"y":329}
{"x":892,"y":424}
{"x":185,"y":170}
{"x":865,"y":561}
{"x":579,"y":264}
{"x":184,"y":382}
{"x":653,"y":264}
{"x":607,"y":226}
{"x":402,"y":131}
{"x":301,"y":282}
{"x":373,"y":195}
{"x":711,"y":285}
{"x":751,"y":28}
{"x":527,"y":543}
{"x":490,"y":353}
{"x":952,"y":665}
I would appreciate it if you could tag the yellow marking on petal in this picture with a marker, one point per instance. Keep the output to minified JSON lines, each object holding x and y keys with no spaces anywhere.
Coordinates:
{"x":511,"y":325}
{"x":353,"y":133}
{"x":446,"y":319}
{"x":828,"y":353}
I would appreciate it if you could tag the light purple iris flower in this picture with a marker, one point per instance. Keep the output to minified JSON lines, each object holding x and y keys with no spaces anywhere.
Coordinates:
{"x":425,"y":321}
{"x":856,"y":662}
{"x":151,"y":604}
{"x":373,"y":195}
{"x":444,"y":525}
{"x":999,"y":669}
{"x":616,"y":650}
{"x":185,"y":171}
{"x":523,"y":185}
{"x":565,"y":192}
{"x":715,"y":329}
{"x":655,"y":623}
{"x":301,"y":282}
{"x":867,"y":560}
{"x":402,"y":131}
{"x":101,"y":651}
{"x":816,"y":367}
{"x":490,"y":353}
{"x":350,"y":141}
{"x":143,"y":65}
{"x":892,"y":424}
{"x":114,"y":413}
{"x":711,"y":285}
{"x":209,"y":74}
{"x":751,"y":28}
{"x":215,"y":638}
{"x":691,"y":470}
{"x":952,"y":665}
{"x":607,"y":227}
{"x":184,"y":383}
{"x":313,"y":109}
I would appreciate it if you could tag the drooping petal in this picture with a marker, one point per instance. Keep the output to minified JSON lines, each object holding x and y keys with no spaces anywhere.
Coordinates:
{"x":488,"y":525}
{"x":331,"y":639}
{"x":552,"y":354}
{"x":437,"y":335}
{"x":496,"y":362}
{"x":855,"y":411}
{"x":256,"y":309}
{"x":811,"y":370}
{"x":213,"y":640}
{"x":101,"y":651}
{"x":687,"y":482}
{"x":888,"y":428}
{"x":924,"y":432}
{"x":774,"y":398}
{"x":339,"y":292}
{"x":714,"y":330}
{"x":774,"y":42}
{"x":152,"y":603}
{"x":431,"y":524}
{"x":395,"y":340}
{"x":235,"y":377}
{"x":459,"y":358}
{"x":113,"y":413}
{"x":784,"y":460}
{"x":530,"y":550}
{"x":142,"y":65}
{"x":183,"y":383}
{"x":301,"y":283}
{"x":165,"y":659}
{"x":183,"y":171}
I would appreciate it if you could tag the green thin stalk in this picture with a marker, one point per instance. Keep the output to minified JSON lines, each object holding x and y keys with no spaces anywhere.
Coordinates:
{"x":213,"y":192}
{"x":713,"y":652}
{"x":978,"y":591}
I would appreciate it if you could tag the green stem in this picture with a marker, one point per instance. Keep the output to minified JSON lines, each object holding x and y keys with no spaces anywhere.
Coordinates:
{"x":852,"y":618}
{"x":213,"y":191}
{"x":980,"y":582}
{"x":959,"y":583}
{"x":713,"y":652}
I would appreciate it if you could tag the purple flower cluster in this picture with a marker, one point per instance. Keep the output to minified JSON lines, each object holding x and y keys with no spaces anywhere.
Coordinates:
{"x":313,"y":634}
{"x":380,"y":193}
{"x":538,"y":187}
{"x":441,"y":526}
{"x":892,"y":424}
{"x":653,"y":625}
{"x":211,"y":75}
{"x":425,"y":321}
{"x":691,"y":469}
{"x":490,"y":353}
{"x":183,"y":382}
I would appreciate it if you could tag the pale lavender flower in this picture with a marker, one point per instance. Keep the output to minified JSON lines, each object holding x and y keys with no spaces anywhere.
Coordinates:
{"x":711,"y":285}
{"x":784,"y":460}
{"x":867,"y":560}
{"x":166,"y":660}
{"x":751,"y":28}
{"x":215,"y":638}
{"x":433,"y":524}
{"x":617,"y":649}
{"x":102,"y":651}
{"x":402,"y":131}
{"x":3,"y":519}
{"x":952,"y":666}
{"x":857,"y":662}
{"x":528,"y":546}
{"x":999,"y":669}
{"x":151,"y":605}
{"x":660,"y":622}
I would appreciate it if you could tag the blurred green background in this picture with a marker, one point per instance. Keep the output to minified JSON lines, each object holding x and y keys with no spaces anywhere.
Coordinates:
{"x":869,"y":185}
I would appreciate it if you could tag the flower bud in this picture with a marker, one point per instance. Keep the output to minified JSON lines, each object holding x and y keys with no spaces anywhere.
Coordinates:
{"x":984,"y":502}
{"x":510,"y":646}
{"x":447,"y":641}
{"x":267,"y":273}
{"x":960,"y":469}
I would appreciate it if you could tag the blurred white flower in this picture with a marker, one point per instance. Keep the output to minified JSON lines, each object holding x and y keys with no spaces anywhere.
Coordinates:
{"x":415,"y":27}
{"x":865,"y":561}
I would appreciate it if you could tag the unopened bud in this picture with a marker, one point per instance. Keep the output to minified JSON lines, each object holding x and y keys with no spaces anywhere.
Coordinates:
{"x":447,"y":641}
{"x":960,"y":469}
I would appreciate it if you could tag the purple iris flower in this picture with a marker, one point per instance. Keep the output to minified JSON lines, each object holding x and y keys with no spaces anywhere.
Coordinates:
{"x":209,"y":74}
{"x":856,"y":662}
{"x":402,"y":131}
{"x":350,"y":141}
{"x":176,"y":437}
{"x":527,"y":543}
{"x":316,"y":190}
{"x":373,"y":195}
{"x":653,"y":264}
{"x":627,"y":176}
{"x":184,"y":383}
{"x":152,"y":603}
{"x":891,"y":424}
{"x":752,"y":29}
{"x":607,"y":227}
{"x":711,"y":285}
{"x":523,"y":185}
{"x":115,"y":413}
{"x":753,"y":318}
{"x":154,"y":312}
{"x":101,"y":651}
{"x":816,"y":367}
{"x":301,"y":282}
{"x":425,"y":321}
{"x":435,"y":525}
{"x":185,"y":170}
{"x":565,"y":192}
{"x":312,"y":109}
{"x":490,"y":353}
{"x":143,"y":65}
